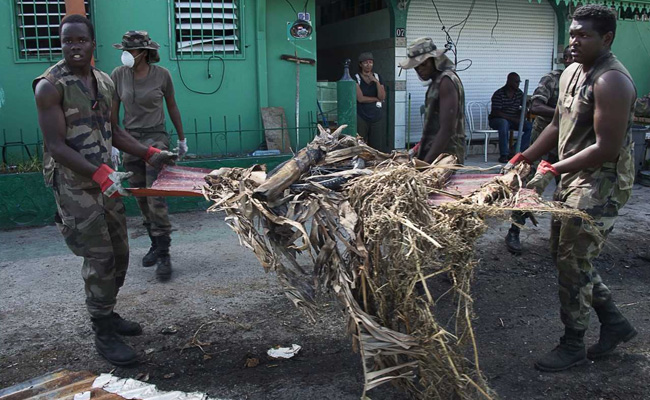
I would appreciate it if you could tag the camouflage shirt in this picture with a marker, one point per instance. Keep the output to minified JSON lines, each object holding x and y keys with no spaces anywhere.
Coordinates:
{"x":642,"y":107}
{"x":576,"y":119}
{"x":547,"y":92}
{"x":456,"y":145}
{"x":87,"y":120}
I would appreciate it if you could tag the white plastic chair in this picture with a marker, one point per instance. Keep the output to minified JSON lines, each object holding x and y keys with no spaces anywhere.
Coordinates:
{"x":477,"y":121}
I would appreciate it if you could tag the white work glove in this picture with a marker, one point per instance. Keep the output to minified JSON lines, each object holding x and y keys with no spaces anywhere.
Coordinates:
{"x":115,"y":156}
{"x":110,"y":181}
{"x":182,"y":147}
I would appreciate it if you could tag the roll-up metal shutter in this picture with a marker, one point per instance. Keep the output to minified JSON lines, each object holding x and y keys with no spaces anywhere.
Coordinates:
{"x":523,"y":41}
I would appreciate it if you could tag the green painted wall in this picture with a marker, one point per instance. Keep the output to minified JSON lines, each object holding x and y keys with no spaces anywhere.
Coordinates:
{"x":246,"y":86}
{"x":631,"y":46}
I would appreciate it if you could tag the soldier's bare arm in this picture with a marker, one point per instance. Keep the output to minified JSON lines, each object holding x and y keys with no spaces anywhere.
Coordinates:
{"x":51,"y":120}
{"x":448,"y":119}
{"x":539,"y":108}
{"x":613,"y":94}
{"x":546,"y":141}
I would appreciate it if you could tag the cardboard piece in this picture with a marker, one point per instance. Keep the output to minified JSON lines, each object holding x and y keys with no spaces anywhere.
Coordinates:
{"x":275,"y":129}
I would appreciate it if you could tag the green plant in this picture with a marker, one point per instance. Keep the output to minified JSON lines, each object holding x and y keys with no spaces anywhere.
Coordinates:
{"x":33,"y":164}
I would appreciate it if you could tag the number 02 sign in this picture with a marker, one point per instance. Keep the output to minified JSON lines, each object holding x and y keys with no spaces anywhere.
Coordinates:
{"x":400,"y":32}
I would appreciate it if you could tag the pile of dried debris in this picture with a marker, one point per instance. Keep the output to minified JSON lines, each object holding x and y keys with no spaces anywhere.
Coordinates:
{"x":344,"y":218}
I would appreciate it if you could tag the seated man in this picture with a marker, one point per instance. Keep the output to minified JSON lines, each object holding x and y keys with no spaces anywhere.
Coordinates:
{"x":505,"y":114}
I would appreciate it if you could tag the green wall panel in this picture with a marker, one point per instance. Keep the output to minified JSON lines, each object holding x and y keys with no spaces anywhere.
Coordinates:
{"x":631,"y":47}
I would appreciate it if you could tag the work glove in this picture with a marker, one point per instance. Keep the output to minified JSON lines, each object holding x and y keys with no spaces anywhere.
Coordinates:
{"x":414,"y":151}
{"x":110,"y":181}
{"x":514,"y":161}
{"x":115,"y":157}
{"x":546,"y":172}
{"x":182,"y":147}
{"x":157,"y":158}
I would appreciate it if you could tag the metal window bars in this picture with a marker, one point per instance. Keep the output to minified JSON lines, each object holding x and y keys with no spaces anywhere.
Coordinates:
{"x":206,"y":28}
{"x":37,"y":28}
{"x":219,"y":137}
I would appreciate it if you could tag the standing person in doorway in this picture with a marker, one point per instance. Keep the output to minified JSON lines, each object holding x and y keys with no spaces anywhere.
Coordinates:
{"x":74,"y":100}
{"x":370,"y":95}
{"x":592,"y":129}
{"x":444,"y":117}
{"x":544,"y":100}
{"x":141,"y":87}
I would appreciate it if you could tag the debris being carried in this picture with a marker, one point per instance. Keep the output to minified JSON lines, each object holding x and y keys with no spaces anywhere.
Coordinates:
{"x":343,"y":218}
{"x":283,"y":352}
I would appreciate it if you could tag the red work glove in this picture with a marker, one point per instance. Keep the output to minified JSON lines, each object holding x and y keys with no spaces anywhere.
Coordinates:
{"x":514,"y":161}
{"x":414,"y":151}
{"x":110,"y":181}
{"x":156,"y":157}
{"x":545,"y":166}
{"x":544,"y":175}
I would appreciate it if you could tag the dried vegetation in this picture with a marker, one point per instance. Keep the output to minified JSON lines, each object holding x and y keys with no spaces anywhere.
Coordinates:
{"x":344,"y":218}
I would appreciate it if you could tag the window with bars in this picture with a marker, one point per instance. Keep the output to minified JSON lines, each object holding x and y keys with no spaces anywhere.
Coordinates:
{"x":206,"y":28}
{"x":37,"y":28}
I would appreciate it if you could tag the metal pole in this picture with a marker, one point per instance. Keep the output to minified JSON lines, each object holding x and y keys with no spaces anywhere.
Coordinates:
{"x":408,"y":124}
{"x":521,"y":117}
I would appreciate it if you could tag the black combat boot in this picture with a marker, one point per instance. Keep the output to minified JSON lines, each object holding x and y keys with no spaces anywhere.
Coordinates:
{"x":150,"y":259}
{"x":569,"y":353}
{"x":164,"y":268}
{"x":512,"y":240}
{"x":614,"y":330}
{"x":109,"y":345}
{"x":125,"y":327}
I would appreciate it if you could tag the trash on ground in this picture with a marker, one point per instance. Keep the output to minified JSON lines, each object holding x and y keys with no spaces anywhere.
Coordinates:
{"x":284,"y":352}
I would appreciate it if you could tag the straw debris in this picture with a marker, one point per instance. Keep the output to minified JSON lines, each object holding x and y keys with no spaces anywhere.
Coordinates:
{"x":344,"y":218}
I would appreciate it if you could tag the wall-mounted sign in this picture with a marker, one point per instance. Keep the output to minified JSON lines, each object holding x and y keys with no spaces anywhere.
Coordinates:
{"x":400,"y":32}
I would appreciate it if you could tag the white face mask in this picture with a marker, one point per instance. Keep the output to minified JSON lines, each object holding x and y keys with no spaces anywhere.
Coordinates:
{"x":422,"y":81}
{"x":128,"y":59}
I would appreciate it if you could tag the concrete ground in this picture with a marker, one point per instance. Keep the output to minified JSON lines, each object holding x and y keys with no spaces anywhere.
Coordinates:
{"x":221,"y":309}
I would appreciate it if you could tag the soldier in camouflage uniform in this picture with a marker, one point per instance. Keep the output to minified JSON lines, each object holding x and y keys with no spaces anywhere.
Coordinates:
{"x":74,"y":105}
{"x":544,"y":100}
{"x":592,"y":131}
{"x":642,"y":107}
{"x":444,"y":118}
{"x":141,"y":86}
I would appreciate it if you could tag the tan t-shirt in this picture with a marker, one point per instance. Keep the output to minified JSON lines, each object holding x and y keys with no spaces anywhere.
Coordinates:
{"x":143,"y":108}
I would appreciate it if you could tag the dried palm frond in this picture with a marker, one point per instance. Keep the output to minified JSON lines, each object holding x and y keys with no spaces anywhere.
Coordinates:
{"x":376,"y":242}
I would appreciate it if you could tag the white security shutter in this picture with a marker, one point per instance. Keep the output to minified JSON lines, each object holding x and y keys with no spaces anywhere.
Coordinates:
{"x":524,"y":42}
{"x":206,"y":27}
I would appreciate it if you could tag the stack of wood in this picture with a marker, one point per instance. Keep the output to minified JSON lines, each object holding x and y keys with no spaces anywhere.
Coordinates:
{"x":341,"y":217}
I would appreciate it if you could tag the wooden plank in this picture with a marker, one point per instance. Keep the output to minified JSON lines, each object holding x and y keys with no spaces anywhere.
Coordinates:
{"x":275,"y":129}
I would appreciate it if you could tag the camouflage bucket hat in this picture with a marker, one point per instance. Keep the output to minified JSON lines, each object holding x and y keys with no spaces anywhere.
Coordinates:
{"x":133,"y":40}
{"x":421,"y":50}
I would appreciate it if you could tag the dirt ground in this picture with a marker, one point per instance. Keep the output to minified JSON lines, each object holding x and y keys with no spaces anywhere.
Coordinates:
{"x":221,"y":308}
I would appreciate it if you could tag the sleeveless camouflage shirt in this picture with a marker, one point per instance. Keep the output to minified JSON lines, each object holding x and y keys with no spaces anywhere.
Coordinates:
{"x":576,"y":112}
{"x":87,"y":120}
{"x":456,"y":145}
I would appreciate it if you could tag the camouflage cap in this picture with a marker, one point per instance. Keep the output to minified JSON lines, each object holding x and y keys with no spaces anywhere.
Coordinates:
{"x":133,"y":40}
{"x":421,"y":50}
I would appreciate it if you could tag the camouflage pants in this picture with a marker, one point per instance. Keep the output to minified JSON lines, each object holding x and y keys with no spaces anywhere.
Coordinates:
{"x":574,"y":244}
{"x":153,"y":209}
{"x":94,"y":227}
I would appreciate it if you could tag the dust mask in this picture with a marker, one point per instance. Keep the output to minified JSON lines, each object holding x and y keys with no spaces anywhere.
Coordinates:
{"x":128,"y":59}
